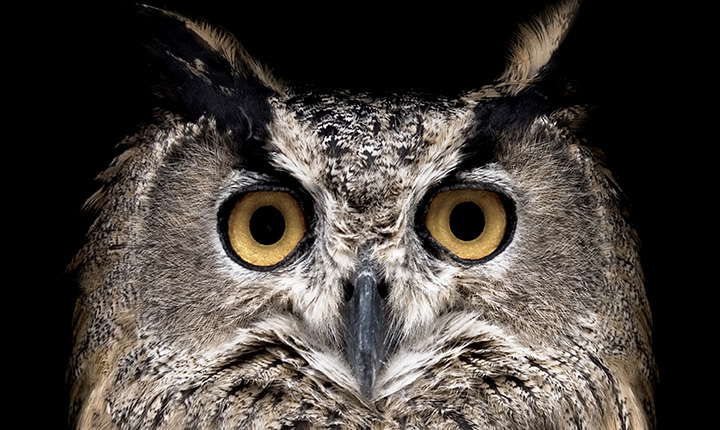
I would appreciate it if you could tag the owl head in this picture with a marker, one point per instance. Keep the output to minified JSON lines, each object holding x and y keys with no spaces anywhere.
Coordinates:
{"x":269,"y":255}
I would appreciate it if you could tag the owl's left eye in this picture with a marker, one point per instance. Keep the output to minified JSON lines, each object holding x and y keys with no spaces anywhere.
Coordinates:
{"x":264,"y":227}
{"x":470,"y":223}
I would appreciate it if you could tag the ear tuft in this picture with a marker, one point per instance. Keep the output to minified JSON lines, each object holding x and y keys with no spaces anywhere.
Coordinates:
{"x":535,"y":45}
{"x":226,"y":46}
{"x":205,"y":72}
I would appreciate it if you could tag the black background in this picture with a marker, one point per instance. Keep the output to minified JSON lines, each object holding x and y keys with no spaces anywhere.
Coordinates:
{"x":83,"y":86}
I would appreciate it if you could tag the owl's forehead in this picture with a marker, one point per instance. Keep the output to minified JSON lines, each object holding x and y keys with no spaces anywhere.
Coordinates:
{"x":364,"y":146}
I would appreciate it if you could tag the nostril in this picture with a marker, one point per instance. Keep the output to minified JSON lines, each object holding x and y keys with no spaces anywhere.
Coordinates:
{"x":383,"y":290}
{"x":349,"y":291}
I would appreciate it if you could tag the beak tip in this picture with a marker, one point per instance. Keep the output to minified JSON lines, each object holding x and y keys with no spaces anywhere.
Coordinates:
{"x":366,"y":374}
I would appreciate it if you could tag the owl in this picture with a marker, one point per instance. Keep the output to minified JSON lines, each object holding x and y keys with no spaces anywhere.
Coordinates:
{"x":270,"y":255}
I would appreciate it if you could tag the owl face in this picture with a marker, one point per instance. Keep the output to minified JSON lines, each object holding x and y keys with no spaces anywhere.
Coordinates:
{"x":368,"y":189}
{"x":269,"y":256}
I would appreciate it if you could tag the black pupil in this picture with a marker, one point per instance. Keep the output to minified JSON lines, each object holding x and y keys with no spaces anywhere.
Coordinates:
{"x":267,"y":225}
{"x":467,"y":221}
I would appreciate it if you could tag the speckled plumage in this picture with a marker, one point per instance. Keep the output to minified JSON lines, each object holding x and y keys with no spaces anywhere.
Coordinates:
{"x":552,"y":330}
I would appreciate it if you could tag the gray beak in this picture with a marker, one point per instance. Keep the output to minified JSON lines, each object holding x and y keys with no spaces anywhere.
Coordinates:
{"x":365,"y":321}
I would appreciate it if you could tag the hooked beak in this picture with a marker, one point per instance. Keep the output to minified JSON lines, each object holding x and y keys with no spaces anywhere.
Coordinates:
{"x":365,"y":320}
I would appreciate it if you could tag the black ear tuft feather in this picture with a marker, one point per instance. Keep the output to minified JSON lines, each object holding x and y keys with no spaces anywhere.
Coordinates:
{"x":204,"y":73}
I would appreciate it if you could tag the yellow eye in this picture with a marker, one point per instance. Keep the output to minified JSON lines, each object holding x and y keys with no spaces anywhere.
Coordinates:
{"x":263,"y":227}
{"x":470,"y":223}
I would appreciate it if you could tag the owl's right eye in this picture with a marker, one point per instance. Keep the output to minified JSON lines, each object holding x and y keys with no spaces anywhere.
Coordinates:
{"x":264,"y":227}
